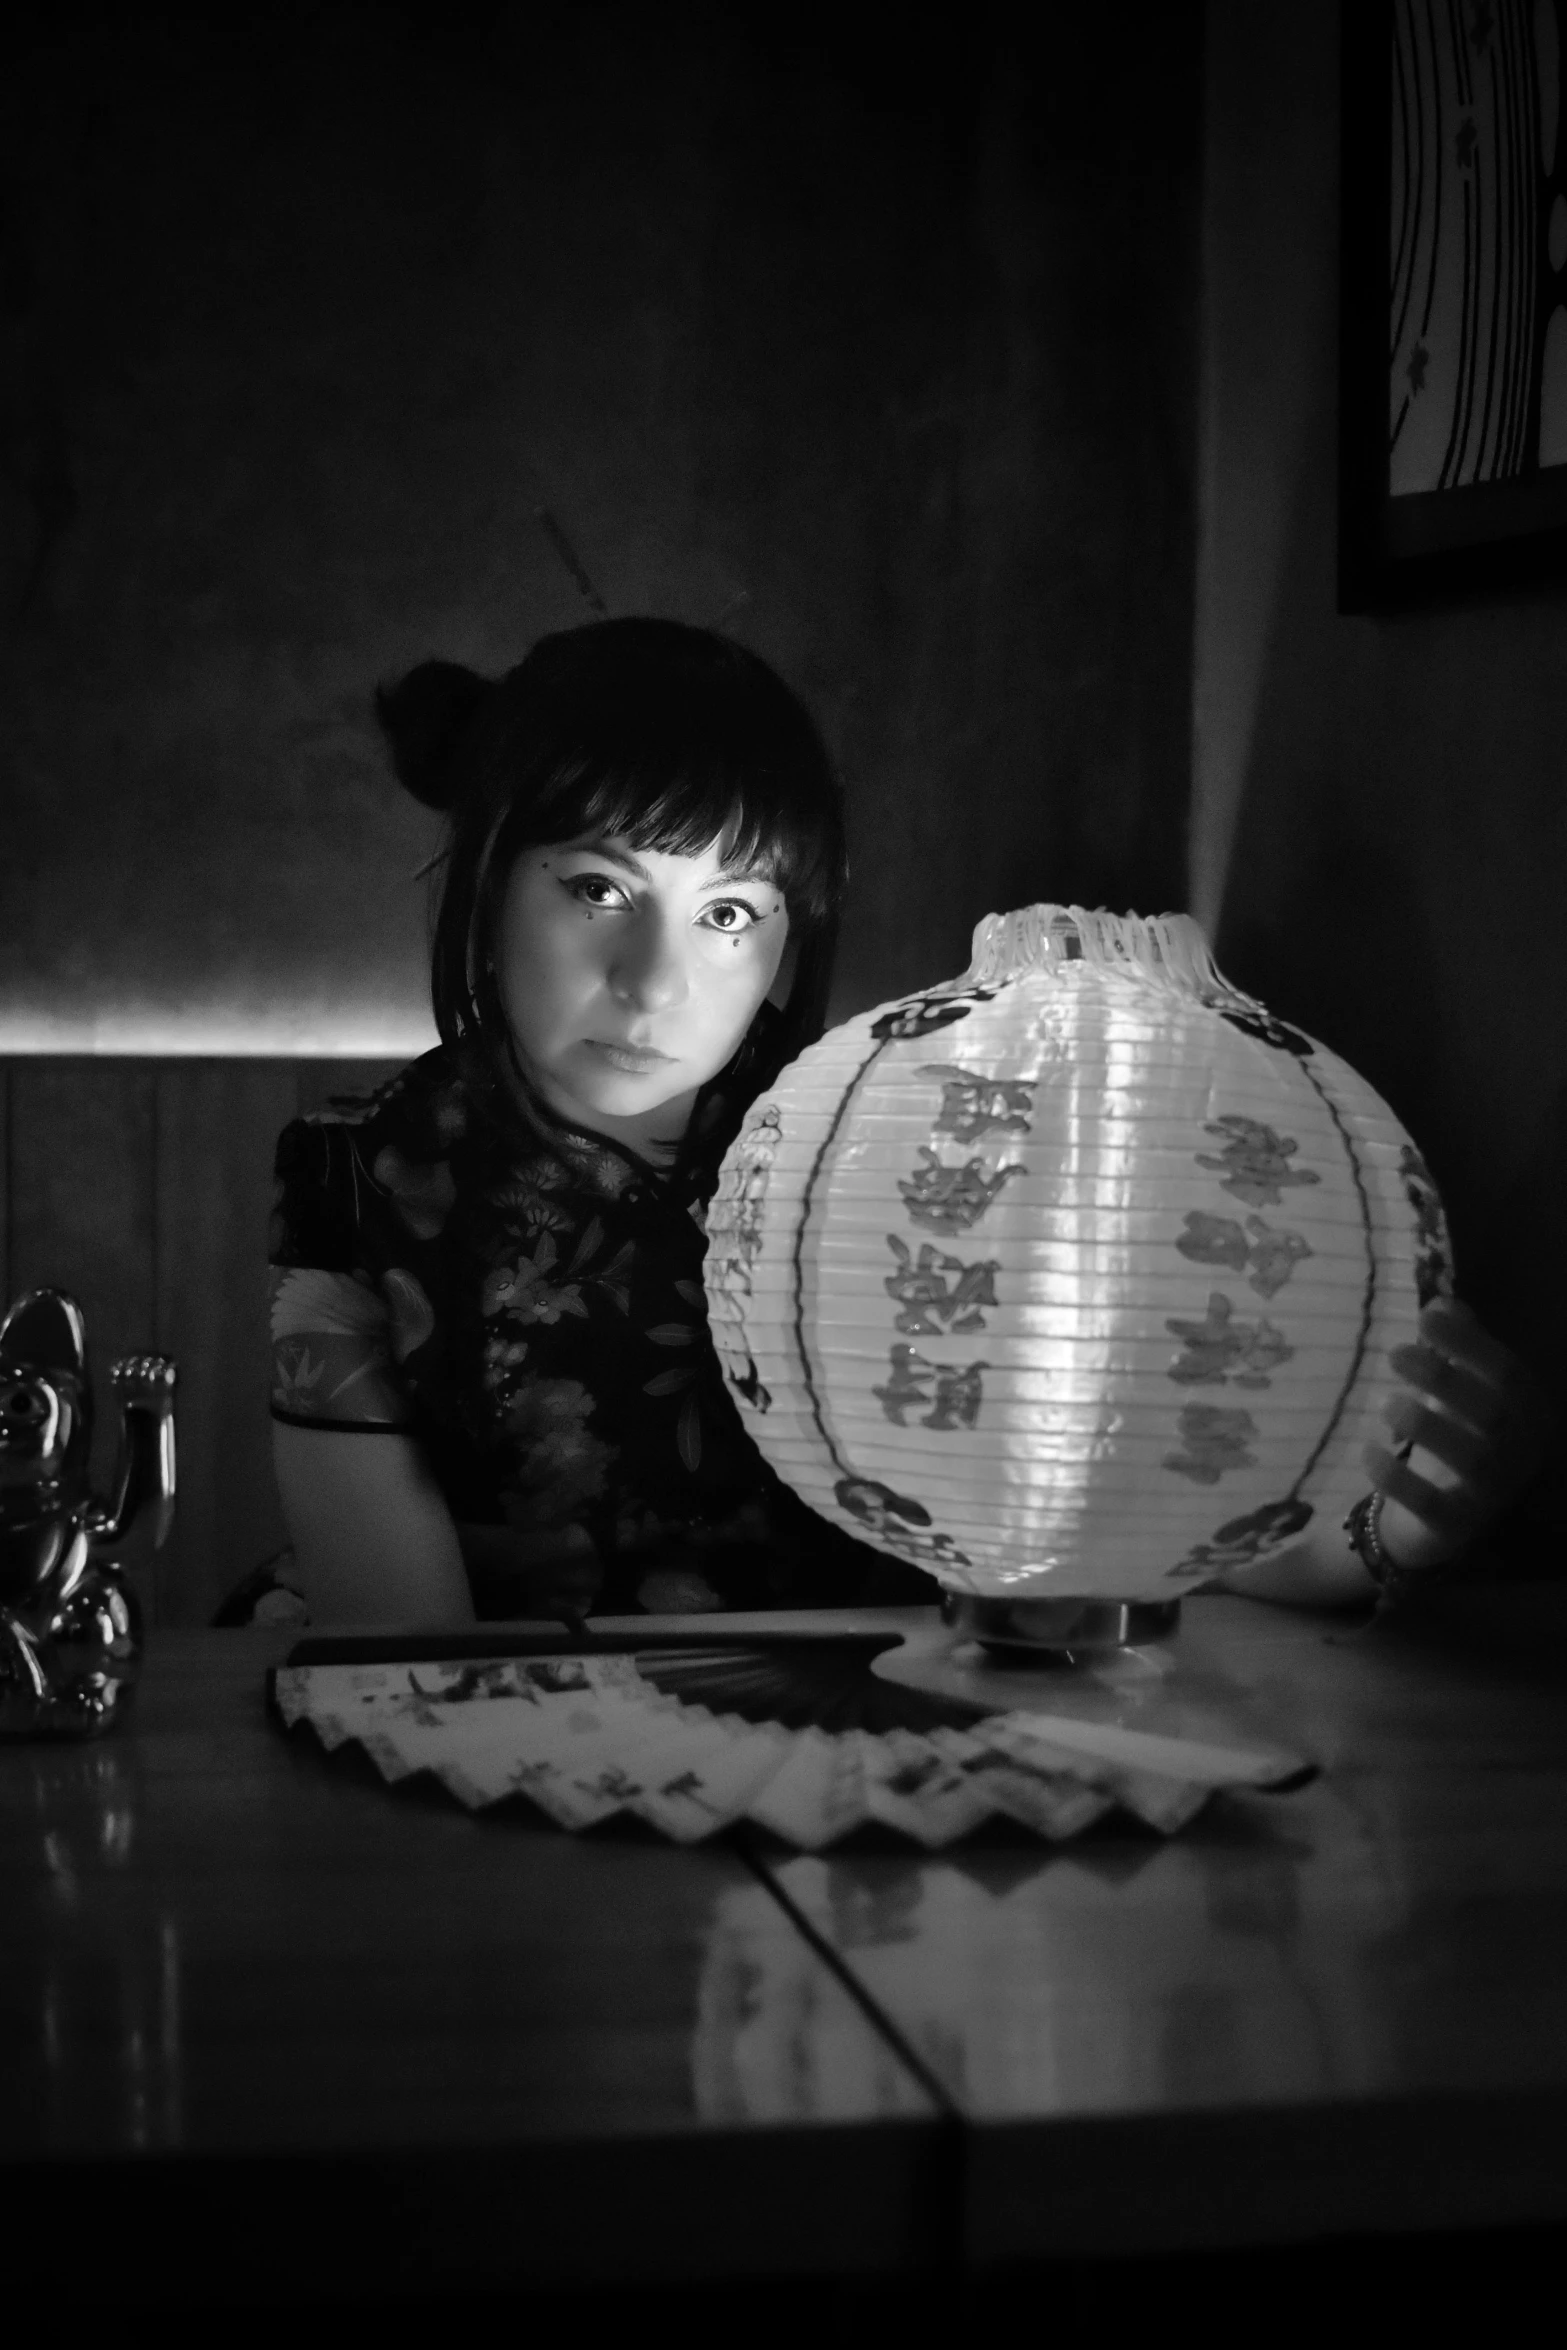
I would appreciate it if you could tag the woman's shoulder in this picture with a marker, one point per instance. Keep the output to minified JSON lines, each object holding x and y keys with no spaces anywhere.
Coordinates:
{"x":359,"y":1186}
{"x":340,"y":1169}
{"x":430,"y":1096}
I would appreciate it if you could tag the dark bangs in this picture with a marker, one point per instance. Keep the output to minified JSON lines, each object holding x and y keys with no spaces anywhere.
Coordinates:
{"x":667,"y":737}
{"x":680,"y":803}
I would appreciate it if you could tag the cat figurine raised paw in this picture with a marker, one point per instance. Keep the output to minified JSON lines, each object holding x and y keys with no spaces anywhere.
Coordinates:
{"x":70,"y":1627}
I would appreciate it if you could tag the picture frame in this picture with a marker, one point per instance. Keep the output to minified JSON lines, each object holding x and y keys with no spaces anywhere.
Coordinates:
{"x":1453,"y":278}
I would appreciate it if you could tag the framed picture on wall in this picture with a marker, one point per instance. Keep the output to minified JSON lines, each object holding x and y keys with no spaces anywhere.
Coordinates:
{"x":1453,"y":416}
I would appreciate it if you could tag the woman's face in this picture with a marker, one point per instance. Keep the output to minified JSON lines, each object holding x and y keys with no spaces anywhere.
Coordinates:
{"x":629,"y":977}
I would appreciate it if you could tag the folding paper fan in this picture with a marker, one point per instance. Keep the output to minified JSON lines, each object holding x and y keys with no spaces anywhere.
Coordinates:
{"x":695,"y":1734}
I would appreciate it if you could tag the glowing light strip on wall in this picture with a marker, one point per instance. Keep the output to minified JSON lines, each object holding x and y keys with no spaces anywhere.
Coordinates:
{"x":221,"y":1034}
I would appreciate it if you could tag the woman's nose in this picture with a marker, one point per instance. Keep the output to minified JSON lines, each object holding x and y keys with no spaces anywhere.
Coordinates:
{"x":649,"y":973}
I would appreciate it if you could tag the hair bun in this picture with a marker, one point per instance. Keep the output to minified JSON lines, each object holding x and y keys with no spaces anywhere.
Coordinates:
{"x":424,"y":717}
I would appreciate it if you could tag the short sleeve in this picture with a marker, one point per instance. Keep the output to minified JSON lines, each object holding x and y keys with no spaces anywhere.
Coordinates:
{"x":336,"y":1326}
{"x":332,"y":1363}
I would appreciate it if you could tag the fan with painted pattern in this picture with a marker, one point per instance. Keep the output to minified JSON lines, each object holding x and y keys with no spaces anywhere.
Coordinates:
{"x":694,"y":1733}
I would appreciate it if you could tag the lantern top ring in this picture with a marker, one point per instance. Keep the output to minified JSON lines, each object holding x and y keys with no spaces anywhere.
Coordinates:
{"x":1167,"y":948}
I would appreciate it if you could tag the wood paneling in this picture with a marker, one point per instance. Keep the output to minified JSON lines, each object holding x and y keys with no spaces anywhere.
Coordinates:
{"x":83,"y":1174}
{"x":142,"y":1187}
{"x":216,"y":1124}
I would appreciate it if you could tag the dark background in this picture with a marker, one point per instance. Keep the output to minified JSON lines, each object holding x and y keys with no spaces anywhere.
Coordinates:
{"x":869,"y":335}
{"x":1379,"y":810}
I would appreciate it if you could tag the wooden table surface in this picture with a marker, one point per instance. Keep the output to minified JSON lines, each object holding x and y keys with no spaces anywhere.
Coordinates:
{"x":1343,"y":2009}
{"x":248,"y":1984}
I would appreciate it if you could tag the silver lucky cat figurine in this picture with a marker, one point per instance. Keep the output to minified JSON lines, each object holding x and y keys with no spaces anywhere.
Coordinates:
{"x":70,"y":1627}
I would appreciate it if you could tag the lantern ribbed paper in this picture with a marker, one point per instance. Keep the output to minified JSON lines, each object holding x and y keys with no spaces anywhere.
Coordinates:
{"x":1075,"y":1276}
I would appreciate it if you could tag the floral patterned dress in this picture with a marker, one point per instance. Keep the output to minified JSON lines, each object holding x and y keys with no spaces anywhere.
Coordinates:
{"x":526,"y":1301}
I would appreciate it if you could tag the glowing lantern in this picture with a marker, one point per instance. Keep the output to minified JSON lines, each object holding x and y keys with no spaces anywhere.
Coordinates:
{"x":1077,"y":1275}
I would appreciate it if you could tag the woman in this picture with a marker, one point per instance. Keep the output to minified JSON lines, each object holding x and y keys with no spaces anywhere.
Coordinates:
{"x":494,"y":1390}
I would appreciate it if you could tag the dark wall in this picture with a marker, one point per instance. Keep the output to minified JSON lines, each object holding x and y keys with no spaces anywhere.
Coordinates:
{"x":1380,"y":802}
{"x":876,"y":345}
{"x":142,"y":1187}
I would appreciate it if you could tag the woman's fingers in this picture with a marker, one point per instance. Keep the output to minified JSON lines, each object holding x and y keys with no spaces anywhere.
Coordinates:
{"x":1469,"y":1376}
{"x":1474,"y":1374}
{"x":1469,"y":1452}
{"x":1458,"y":1334}
{"x":1471,"y":1410}
{"x":1448,"y":1516}
{"x":1467,"y":1394}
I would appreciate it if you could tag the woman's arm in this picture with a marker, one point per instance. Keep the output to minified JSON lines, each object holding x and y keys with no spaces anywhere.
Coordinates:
{"x":373,"y":1538}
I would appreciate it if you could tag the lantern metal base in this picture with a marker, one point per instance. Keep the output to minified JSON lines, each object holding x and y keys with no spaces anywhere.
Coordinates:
{"x":1059,"y":1626}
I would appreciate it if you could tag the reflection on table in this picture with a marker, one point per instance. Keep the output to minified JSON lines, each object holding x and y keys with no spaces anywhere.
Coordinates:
{"x":249,"y":1985}
{"x":1373,"y":1962}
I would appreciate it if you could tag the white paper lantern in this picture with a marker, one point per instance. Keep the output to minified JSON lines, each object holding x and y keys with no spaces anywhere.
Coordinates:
{"x":1075,"y":1276}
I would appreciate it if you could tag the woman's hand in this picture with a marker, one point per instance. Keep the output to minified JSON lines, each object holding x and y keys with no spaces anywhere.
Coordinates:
{"x":1469,"y":1427}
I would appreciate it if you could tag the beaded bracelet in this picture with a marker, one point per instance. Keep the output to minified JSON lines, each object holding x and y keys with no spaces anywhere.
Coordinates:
{"x":1364,"y":1528}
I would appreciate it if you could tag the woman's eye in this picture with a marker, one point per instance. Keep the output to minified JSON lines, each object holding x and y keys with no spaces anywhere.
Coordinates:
{"x":595,"y":889}
{"x":731,"y":915}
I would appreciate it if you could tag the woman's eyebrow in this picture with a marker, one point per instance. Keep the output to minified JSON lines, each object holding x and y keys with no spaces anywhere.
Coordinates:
{"x":598,"y":847}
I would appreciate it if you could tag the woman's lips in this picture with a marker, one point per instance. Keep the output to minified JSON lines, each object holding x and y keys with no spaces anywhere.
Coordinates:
{"x":635,"y":1059}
